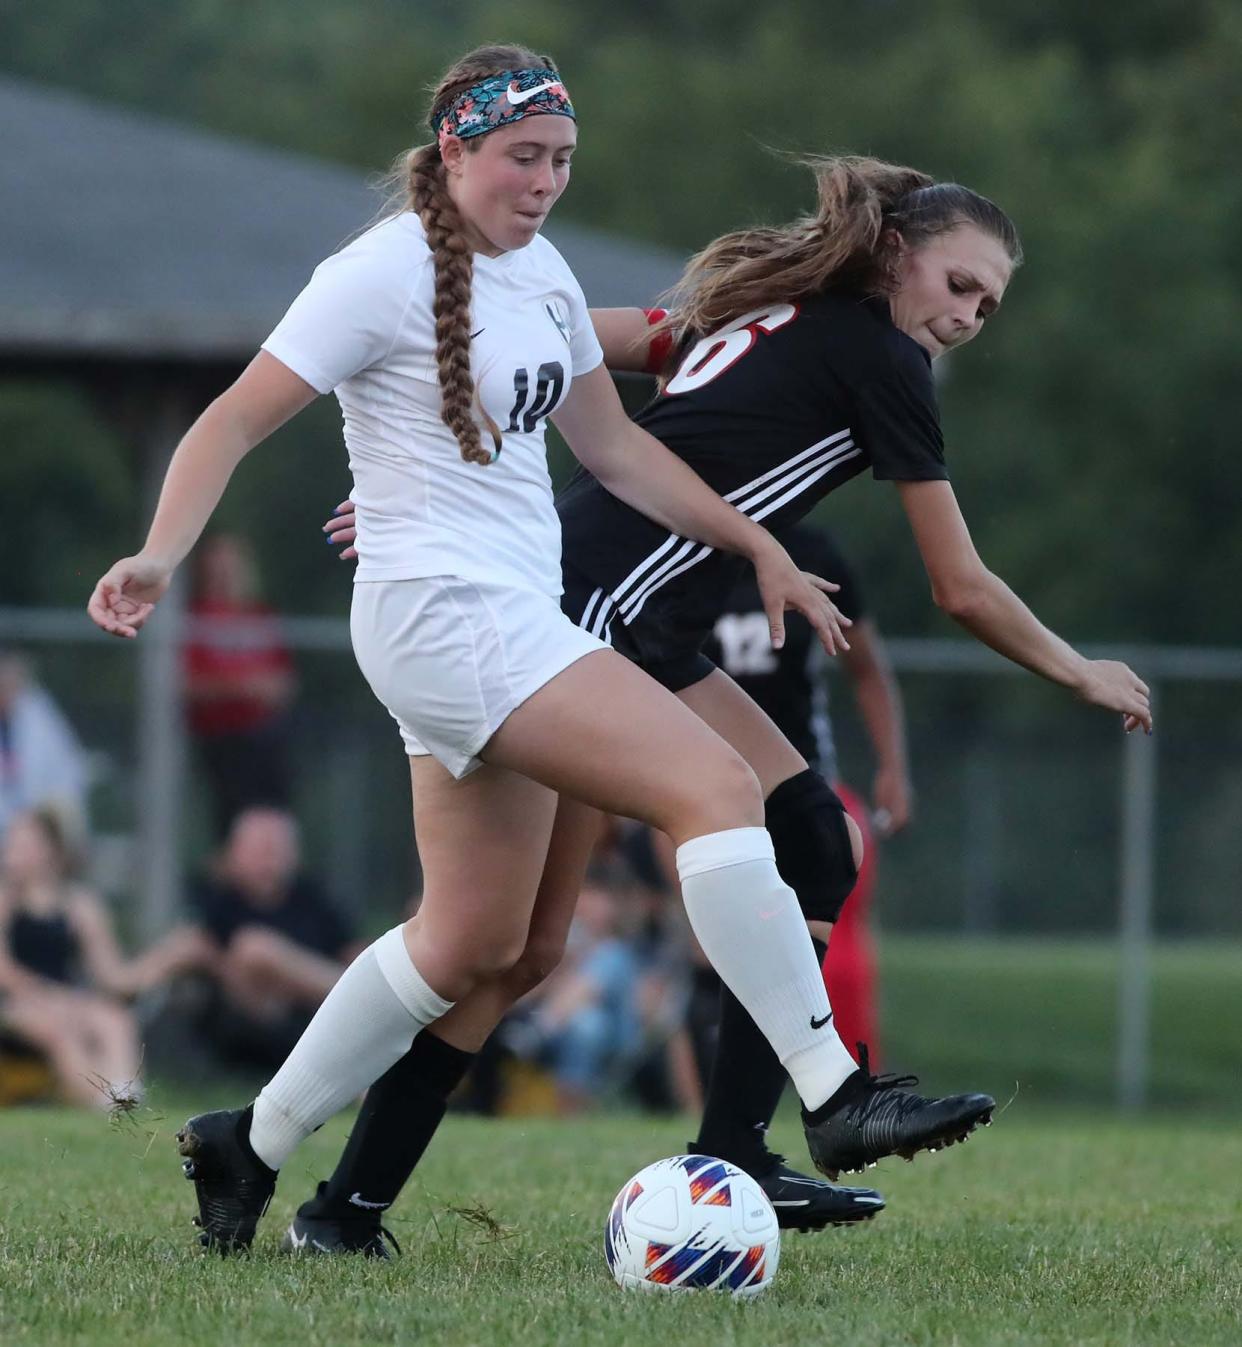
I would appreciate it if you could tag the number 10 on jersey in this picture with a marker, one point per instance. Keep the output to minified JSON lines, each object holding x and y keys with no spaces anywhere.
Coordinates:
{"x":549,"y":385}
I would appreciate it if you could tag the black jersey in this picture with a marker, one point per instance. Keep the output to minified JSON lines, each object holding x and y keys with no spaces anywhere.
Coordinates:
{"x":789,"y":683}
{"x":774,"y":411}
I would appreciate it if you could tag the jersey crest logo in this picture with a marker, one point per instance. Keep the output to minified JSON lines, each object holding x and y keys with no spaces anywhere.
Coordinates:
{"x":561,"y":322}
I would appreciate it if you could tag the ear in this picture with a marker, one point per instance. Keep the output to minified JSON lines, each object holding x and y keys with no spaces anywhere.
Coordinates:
{"x":453,"y":153}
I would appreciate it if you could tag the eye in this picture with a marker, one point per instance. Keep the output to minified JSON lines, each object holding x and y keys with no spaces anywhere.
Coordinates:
{"x":956,"y":286}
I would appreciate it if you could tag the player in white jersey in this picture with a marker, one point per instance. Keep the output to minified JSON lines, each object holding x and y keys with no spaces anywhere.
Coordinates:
{"x":509,"y":711}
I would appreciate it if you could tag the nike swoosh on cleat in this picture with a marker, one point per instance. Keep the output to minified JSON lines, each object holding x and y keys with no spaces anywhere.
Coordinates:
{"x":357,"y":1200}
{"x":800,"y":1202}
{"x":515,"y":99}
{"x":810,"y":1183}
{"x":819,"y":1024}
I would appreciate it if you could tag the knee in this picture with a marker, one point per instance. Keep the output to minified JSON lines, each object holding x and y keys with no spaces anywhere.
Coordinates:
{"x":115,"y":1020}
{"x":818,"y":846}
{"x":858,"y":847}
{"x":732,"y":798}
{"x":538,"y":961}
{"x":251,"y":951}
{"x":489,"y":960}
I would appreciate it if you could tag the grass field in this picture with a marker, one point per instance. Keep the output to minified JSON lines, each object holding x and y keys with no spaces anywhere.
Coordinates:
{"x":1055,"y":1226}
{"x":1041,"y":1016}
{"x":1045,"y":1229}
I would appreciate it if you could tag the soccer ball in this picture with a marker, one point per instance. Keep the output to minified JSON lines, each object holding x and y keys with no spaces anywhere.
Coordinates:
{"x":692,"y":1222}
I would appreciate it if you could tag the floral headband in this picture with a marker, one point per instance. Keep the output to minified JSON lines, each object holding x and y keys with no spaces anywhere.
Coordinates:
{"x":501,"y":99}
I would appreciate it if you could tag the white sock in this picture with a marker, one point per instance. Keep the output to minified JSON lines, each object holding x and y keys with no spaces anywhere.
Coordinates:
{"x":366,"y":1023}
{"x":750,"y":926}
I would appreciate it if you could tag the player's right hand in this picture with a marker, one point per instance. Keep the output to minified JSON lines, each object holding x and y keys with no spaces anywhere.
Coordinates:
{"x":127,"y":594}
{"x":1116,"y":687}
{"x":341,"y":529}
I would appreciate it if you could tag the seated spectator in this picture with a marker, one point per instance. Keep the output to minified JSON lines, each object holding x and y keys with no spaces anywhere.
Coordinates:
{"x":63,"y":976}
{"x":41,"y":761}
{"x":280,"y":943}
{"x":239,"y":683}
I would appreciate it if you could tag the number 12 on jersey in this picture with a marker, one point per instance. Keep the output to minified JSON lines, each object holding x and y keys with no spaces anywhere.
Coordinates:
{"x":709,"y":358}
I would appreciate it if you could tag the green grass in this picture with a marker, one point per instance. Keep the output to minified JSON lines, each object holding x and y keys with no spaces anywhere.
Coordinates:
{"x":1041,"y":1016}
{"x":1048,"y":1228}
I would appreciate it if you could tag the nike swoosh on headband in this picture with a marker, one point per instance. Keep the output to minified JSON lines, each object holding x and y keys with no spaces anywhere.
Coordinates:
{"x":515,"y":99}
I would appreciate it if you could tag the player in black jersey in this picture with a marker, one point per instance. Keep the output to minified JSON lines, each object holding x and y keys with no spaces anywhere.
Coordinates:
{"x":792,"y":360}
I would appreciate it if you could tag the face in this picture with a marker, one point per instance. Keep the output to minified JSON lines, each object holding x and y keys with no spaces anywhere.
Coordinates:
{"x":948,"y":286}
{"x":262,"y":852}
{"x":29,"y":854}
{"x":506,"y":186}
{"x":224,"y":569}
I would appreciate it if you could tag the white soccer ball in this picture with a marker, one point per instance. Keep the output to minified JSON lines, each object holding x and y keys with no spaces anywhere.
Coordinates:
{"x":692,"y":1222}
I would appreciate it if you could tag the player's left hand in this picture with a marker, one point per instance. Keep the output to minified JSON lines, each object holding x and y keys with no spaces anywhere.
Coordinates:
{"x":782,"y":585}
{"x":342,"y":530}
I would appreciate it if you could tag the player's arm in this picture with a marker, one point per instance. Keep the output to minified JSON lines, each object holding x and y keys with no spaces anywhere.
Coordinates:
{"x":629,"y":340}
{"x":261,"y":400}
{"x":637,"y":469}
{"x":964,"y":588}
{"x":879,"y":702}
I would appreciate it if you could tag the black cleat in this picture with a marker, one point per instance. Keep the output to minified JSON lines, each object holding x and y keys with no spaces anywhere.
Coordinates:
{"x":319,"y":1229}
{"x":870,"y":1117}
{"x":810,"y":1204}
{"x":232,"y":1184}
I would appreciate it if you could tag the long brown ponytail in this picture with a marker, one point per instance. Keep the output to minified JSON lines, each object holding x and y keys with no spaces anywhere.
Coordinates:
{"x":847,"y":243}
{"x":422,"y":186}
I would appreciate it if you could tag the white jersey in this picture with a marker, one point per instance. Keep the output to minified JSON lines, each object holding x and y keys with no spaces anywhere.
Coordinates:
{"x":363,"y":326}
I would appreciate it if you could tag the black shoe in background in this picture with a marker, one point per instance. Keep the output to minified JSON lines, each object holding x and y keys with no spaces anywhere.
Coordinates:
{"x":322,"y":1228}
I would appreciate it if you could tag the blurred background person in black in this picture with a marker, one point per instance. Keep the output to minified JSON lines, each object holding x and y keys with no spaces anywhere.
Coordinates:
{"x":281,"y":942}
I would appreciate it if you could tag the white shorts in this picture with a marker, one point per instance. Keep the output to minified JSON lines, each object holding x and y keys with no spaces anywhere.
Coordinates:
{"x":451,"y":658}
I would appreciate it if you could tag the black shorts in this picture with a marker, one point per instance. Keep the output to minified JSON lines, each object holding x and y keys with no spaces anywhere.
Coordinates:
{"x":663,"y":642}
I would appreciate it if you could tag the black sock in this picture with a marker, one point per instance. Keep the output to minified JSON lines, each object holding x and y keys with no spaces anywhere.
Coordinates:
{"x":747,"y":1081}
{"x":395,"y":1125}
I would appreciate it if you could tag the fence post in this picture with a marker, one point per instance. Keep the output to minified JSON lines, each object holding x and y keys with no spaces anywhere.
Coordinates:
{"x":1138,"y":816}
{"x":159,"y":722}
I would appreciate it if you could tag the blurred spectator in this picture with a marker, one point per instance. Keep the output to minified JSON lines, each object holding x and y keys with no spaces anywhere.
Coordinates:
{"x":62,"y":973}
{"x":41,"y":761}
{"x":584,"y":1023}
{"x":280,"y":943}
{"x":239,"y":683}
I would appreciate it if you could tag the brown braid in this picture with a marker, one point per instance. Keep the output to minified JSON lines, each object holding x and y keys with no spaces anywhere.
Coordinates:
{"x":423,"y":187}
